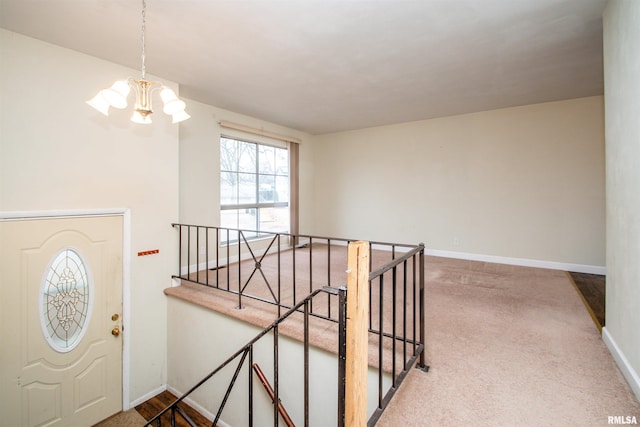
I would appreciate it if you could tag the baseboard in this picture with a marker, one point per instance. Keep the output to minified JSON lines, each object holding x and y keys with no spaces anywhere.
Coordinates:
{"x":197,"y":407}
{"x":146,"y":397}
{"x":552,"y":265}
{"x":523,"y":262}
{"x":623,"y":364}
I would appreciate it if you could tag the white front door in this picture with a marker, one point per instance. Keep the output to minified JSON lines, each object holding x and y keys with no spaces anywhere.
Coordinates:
{"x":61,"y":317}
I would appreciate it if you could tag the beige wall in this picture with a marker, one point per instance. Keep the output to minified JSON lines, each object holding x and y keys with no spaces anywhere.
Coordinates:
{"x":211,"y":335}
{"x":57,"y":153}
{"x":622,"y":101}
{"x":524,"y":183}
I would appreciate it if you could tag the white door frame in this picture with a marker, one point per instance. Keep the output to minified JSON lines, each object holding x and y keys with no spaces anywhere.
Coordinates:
{"x":126,"y":269}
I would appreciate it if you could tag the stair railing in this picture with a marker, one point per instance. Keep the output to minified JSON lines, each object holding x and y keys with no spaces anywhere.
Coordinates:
{"x":244,"y":358}
{"x":402,"y":277}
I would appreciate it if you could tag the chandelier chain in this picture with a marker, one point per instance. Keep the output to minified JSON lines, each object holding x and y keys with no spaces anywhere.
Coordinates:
{"x":144,"y":21}
{"x":116,"y":95}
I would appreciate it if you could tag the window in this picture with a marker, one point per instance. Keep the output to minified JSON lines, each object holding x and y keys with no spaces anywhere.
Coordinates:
{"x":65,"y":301}
{"x":254,"y":187}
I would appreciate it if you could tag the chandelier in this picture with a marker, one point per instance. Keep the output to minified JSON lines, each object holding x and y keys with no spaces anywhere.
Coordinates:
{"x":116,"y":95}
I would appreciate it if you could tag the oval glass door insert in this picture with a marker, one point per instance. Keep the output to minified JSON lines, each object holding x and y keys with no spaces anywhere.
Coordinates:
{"x":66,"y":298}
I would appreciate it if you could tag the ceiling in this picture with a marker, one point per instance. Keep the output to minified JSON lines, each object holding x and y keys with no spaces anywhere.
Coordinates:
{"x":323,"y":66}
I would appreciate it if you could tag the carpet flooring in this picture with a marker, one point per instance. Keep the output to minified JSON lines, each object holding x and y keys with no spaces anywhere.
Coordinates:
{"x":130,"y":418}
{"x":509,"y":346}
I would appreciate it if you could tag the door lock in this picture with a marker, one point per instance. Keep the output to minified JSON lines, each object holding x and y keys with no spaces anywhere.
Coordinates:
{"x":115,"y":317}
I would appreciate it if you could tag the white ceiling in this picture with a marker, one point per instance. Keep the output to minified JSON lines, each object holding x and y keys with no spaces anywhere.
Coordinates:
{"x":327,"y":65}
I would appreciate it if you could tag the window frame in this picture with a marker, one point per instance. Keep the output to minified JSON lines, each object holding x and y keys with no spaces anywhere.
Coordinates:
{"x":257,"y":205}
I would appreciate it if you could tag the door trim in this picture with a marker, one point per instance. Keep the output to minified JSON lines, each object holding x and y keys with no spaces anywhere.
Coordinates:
{"x":126,"y":270}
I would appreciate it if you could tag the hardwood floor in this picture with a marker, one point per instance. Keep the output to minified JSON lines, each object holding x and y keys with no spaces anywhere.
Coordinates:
{"x":153,"y":406}
{"x":592,"y":288}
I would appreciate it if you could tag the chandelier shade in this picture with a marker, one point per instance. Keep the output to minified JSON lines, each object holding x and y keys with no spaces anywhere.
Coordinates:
{"x":100,"y":103}
{"x":180,"y":116}
{"x":172,"y":105}
{"x":116,"y":95}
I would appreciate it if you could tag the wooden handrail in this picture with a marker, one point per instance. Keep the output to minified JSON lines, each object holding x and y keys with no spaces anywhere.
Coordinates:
{"x":265,"y":382}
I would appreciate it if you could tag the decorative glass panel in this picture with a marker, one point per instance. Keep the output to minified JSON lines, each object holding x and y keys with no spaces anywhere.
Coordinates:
{"x":65,"y":301}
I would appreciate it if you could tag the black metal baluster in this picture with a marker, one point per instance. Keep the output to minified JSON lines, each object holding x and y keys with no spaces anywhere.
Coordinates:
{"x":240,"y":234}
{"x":295,"y":239}
{"x":310,"y":270}
{"x":206,"y":253}
{"x":414,"y":286}
{"x":217,"y":257}
{"x":198,"y":254}
{"x":250,"y":386}
{"x":328,"y":277}
{"x":421,"y":326}
{"x":380,"y":319}
{"x":188,"y":252}
{"x":276,"y":399}
{"x":342,"y":353}
{"x":306,"y":363}
{"x":230,"y":387}
{"x":180,"y":251}
{"x":370,"y":287}
{"x":404,"y":315}
{"x":228,"y":268}
{"x":279,"y":294}
{"x":393,"y":322}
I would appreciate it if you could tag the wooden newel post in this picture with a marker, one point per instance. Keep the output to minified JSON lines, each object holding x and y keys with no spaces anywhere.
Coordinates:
{"x":357,"y":352}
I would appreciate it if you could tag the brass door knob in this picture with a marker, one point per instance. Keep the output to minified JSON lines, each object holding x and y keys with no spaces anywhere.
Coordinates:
{"x":115,"y":331}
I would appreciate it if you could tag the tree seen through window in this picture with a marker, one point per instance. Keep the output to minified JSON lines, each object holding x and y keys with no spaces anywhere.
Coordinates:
{"x":254,"y":187}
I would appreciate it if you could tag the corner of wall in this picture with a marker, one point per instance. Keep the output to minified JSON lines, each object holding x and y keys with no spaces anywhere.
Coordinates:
{"x":623,"y":364}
